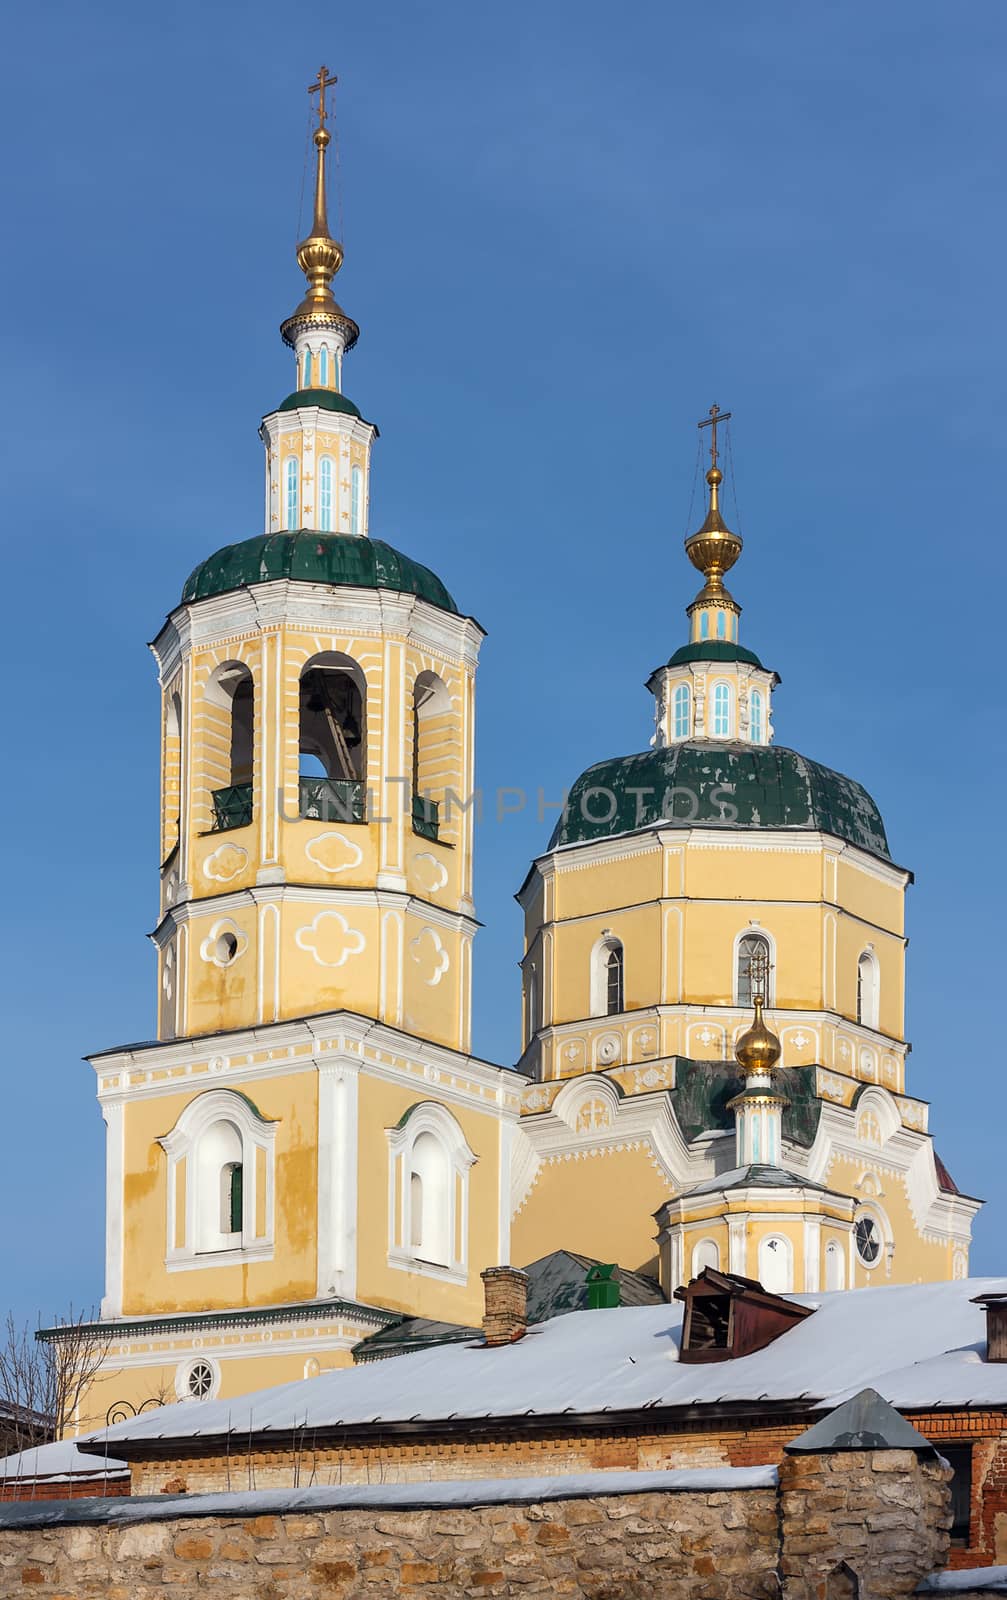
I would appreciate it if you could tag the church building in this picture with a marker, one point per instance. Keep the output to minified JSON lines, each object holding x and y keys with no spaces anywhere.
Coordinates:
{"x":713,"y":1070}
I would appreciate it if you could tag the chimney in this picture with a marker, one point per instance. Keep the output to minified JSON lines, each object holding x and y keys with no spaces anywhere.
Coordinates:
{"x":506,"y":1316}
{"x":996,"y":1324}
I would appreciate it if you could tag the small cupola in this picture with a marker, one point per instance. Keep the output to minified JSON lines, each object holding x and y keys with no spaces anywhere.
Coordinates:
{"x":727,"y":1315}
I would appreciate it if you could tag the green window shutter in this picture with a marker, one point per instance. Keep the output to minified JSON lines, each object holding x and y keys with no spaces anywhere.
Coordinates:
{"x":237,"y":1199}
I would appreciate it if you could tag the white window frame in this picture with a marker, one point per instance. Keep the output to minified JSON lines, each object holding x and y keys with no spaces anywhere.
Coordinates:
{"x":326,"y":494}
{"x":867,"y":958}
{"x":788,"y":1255}
{"x":181,"y":1148}
{"x":721,"y":684}
{"x":872,"y":1212}
{"x":291,"y":480}
{"x":681,"y":696}
{"x":834,"y":1251}
{"x":431,"y":1118}
{"x":753,"y":932}
{"x":705,"y":1244}
{"x":356,"y":499}
{"x":599,"y":975}
{"x":757,"y":721}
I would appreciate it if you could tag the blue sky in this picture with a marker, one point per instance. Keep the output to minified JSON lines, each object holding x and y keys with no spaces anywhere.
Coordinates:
{"x":568,"y":230}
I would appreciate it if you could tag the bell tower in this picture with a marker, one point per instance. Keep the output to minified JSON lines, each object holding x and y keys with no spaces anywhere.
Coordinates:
{"x":317,"y":734}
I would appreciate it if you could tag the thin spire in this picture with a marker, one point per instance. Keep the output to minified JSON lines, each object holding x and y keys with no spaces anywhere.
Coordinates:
{"x":319,"y":256}
{"x":320,"y":225}
{"x":714,"y":548}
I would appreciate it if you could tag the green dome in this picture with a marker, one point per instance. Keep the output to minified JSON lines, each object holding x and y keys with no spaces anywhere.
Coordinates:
{"x":328,"y":399}
{"x":702,"y":780}
{"x":714,"y":650}
{"x":345,"y":559}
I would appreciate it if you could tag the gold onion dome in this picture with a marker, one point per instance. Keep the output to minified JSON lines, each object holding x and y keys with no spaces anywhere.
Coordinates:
{"x":758,"y":1049}
{"x":714,"y":549}
{"x":319,"y":256}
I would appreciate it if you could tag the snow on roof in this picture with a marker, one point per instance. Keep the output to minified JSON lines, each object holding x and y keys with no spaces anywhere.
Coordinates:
{"x":626,"y":1359}
{"x":968,"y":1580}
{"x":389,"y":1496}
{"x":59,"y":1462}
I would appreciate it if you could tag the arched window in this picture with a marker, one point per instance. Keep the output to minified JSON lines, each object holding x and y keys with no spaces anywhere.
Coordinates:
{"x":705,"y":1254}
{"x":868,"y":1238}
{"x":332,"y":744}
{"x":776,"y":1264}
{"x":290,"y":494}
{"x":434,"y":751}
{"x":228,"y":718}
{"x":323,"y":366}
{"x":356,"y":499}
{"x":613,"y":981}
{"x":220,"y":1178}
{"x":325,"y":494}
{"x":531,"y":1005}
{"x":754,"y":962}
{"x":430,"y":1201}
{"x":306,"y":382}
{"x":682,"y":711}
{"x":721,"y":625}
{"x":835,"y":1266}
{"x":868,"y":988}
{"x":218,"y":1155}
{"x":608,"y":977}
{"x":429,"y":1217}
{"x":722,"y":711}
{"x":756,"y":719}
{"x":337,"y":370}
{"x":704,"y":625}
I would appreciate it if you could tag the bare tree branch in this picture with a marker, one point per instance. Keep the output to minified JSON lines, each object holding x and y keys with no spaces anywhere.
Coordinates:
{"x":44,"y":1377}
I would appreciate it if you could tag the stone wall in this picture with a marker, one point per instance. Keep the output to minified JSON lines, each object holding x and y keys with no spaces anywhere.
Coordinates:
{"x":737,"y":1534}
{"x":885,"y":1514}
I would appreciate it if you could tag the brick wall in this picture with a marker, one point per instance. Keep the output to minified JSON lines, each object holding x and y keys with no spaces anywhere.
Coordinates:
{"x":723,"y":1536}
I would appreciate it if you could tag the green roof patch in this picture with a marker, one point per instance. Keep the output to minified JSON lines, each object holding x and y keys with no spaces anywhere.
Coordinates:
{"x":715,"y":650}
{"x":723,"y":784}
{"x":327,"y":399}
{"x":339,"y":559}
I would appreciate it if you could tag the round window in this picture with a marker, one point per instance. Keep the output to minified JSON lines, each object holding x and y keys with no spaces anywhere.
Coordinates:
{"x":868,"y":1240}
{"x":200,"y":1380}
{"x":227,"y":948}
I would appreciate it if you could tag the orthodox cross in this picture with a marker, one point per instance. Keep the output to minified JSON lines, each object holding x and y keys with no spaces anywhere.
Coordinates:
{"x":716,"y":415}
{"x":758,"y":972}
{"x":319,"y":87}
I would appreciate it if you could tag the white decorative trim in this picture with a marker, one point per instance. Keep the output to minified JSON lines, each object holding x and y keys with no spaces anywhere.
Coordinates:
{"x":428,"y":953}
{"x":228,"y":861}
{"x":435,"y":1120}
{"x":338,"y":1112}
{"x":114,"y":1117}
{"x":210,"y":949}
{"x":318,"y":935}
{"x":181,"y":1146}
{"x":326,"y":845}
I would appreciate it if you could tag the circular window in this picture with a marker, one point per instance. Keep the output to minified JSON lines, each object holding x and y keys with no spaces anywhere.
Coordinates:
{"x":200,"y":1380}
{"x":868,"y":1240}
{"x":227,"y":948}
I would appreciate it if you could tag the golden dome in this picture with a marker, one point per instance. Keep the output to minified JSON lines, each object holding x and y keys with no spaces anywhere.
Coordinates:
{"x":758,"y":1049}
{"x":713,"y":549}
